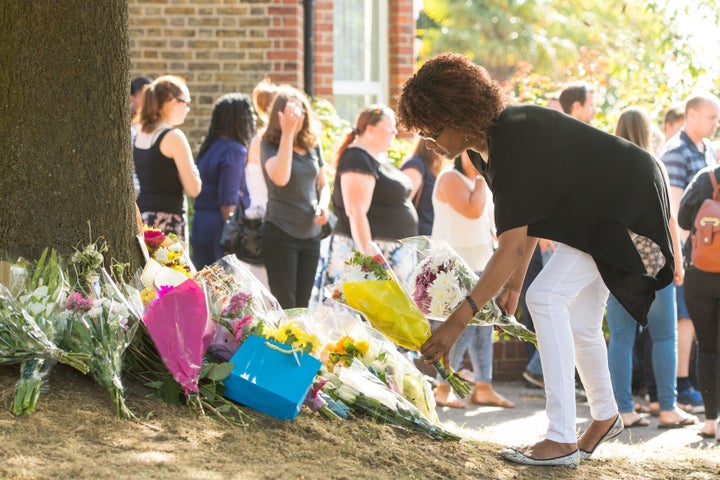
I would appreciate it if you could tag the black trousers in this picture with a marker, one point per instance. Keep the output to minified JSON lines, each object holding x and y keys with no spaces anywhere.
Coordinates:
{"x":702,"y":296}
{"x":291,"y":264}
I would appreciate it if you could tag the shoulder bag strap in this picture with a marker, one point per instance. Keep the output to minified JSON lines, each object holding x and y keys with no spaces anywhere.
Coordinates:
{"x":716,"y":187}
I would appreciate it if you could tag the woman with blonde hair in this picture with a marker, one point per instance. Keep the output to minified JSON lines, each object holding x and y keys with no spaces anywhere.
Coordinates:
{"x":163,"y":160}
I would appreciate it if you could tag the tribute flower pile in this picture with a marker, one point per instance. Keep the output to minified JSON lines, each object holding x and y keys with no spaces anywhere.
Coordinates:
{"x":370,"y":287}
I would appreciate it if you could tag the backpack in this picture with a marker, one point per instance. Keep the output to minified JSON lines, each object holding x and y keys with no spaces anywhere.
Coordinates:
{"x":705,"y":252}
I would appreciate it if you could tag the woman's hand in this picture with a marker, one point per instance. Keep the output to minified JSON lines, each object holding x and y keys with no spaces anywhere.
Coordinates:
{"x":291,"y":119}
{"x":321,"y":216}
{"x":439,"y":344}
{"x":508,"y":300}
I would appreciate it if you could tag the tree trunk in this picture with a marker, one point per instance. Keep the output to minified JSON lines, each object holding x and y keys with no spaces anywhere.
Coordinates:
{"x":65,"y":153}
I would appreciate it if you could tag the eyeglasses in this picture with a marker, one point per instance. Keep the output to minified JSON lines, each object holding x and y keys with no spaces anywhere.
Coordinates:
{"x":431,"y":137}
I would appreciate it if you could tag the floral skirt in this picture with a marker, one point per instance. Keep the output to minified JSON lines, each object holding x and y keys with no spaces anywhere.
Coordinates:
{"x":400,"y":257}
{"x":167,"y":223}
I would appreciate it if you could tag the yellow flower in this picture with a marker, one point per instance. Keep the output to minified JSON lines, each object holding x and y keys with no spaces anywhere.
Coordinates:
{"x":148,"y":295}
{"x":362,"y":346}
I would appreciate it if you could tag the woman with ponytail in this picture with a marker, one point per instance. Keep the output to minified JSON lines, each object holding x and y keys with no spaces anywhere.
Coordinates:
{"x":163,"y":159}
{"x":371,"y":196}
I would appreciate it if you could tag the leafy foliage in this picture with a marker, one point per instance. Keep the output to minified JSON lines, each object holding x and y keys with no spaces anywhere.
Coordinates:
{"x":634,"y":53}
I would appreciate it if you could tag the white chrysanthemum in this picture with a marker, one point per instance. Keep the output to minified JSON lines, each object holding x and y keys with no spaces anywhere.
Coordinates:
{"x":445,"y":293}
{"x":162,"y":255}
{"x":176,"y":247}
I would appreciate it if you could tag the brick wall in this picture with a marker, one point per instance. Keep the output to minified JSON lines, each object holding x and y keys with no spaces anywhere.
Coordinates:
{"x":401,"y":45}
{"x":222,"y":46}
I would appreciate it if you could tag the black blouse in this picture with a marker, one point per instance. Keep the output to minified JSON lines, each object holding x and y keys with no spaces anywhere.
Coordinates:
{"x":580,"y":186}
{"x":392,"y":215}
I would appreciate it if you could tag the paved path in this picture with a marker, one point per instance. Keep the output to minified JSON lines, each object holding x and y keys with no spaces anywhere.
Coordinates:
{"x":527,"y":423}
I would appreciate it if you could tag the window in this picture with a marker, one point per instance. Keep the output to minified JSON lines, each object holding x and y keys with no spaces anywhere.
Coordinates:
{"x":360,"y":32}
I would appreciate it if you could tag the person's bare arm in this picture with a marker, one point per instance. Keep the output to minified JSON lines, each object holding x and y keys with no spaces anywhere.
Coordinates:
{"x":279,"y":166}
{"x":503,"y":276}
{"x":357,"y":193}
{"x":175,"y":145}
{"x":470,"y":203}
{"x":415,"y":177}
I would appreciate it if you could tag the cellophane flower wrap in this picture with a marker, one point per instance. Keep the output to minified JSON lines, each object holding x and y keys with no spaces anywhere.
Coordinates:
{"x":441,"y":281}
{"x":355,"y":386}
{"x":347,"y":338}
{"x":370,"y":286}
{"x":167,"y":259}
{"x":102,"y":323}
{"x":238,"y":302}
{"x":41,"y":289}
{"x":179,"y":324}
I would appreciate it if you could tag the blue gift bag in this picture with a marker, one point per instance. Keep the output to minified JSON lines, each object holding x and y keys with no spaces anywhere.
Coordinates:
{"x":270,"y":377}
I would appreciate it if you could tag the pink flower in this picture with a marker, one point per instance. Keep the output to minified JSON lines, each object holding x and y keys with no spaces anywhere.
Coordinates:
{"x":77,"y":302}
{"x":244,"y":322}
{"x":154,"y":238}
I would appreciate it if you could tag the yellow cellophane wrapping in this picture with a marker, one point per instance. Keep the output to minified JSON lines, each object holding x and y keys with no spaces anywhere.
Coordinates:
{"x":390,"y":310}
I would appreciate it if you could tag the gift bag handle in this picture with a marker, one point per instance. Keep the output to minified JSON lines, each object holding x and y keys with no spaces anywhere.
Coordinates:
{"x":292,"y":350}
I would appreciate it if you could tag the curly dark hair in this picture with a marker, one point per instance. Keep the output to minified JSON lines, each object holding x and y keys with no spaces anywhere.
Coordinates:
{"x":450,"y":91}
{"x":232,"y":118}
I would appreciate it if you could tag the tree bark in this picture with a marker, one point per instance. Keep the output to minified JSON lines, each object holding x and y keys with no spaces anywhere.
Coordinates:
{"x":65,"y":153}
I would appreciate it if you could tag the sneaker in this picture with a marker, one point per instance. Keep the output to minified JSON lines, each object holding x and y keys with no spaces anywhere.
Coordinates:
{"x":693,"y":398}
{"x":534,"y":380}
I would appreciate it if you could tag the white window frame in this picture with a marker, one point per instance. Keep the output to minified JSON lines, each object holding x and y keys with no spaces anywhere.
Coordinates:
{"x":379,"y":88}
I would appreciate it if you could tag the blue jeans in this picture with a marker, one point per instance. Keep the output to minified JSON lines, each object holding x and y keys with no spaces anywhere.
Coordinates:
{"x":477,"y":341}
{"x":662,"y":325}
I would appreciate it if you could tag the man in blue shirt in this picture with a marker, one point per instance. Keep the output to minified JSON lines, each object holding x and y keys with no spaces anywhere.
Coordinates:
{"x":684,"y":155}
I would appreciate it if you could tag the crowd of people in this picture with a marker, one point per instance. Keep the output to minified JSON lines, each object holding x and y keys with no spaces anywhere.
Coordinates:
{"x":568,"y":223}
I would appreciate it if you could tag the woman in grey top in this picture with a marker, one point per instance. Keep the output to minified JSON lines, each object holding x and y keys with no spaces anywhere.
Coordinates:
{"x":298,"y":198}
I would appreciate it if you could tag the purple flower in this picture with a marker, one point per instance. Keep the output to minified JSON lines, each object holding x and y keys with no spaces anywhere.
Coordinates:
{"x":236,"y":305}
{"x":77,"y":302}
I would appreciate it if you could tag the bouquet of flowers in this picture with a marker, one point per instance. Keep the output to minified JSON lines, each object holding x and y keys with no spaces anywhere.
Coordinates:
{"x":179,"y":324}
{"x":100,"y":321}
{"x":103,"y":326}
{"x":356,"y":387}
{"x":441,"y":281}
{"x":41,"y":290}
{"x":370,"y":287}
{"x":237,"y":302}
{"x":348,"y":338}
{"x":167,"y":261}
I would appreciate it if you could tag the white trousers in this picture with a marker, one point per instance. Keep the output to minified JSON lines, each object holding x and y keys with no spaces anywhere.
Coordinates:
{"x":567,"y":301}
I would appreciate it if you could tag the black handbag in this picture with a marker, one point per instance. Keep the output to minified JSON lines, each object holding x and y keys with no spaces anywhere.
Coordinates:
{"x":328,"y":226}
{"x":243,"y":236}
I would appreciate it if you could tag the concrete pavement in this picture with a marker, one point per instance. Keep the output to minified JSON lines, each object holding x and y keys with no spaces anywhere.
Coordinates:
{"x":527,"y":423}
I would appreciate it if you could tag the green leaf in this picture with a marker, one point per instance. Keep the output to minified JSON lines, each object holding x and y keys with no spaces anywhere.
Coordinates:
{"x":170,"y":391}
{"x":219,"y":371}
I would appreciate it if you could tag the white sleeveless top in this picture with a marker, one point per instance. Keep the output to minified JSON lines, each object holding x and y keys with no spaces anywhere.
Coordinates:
{"x":257,"y":189}
{"x":472,"y":238}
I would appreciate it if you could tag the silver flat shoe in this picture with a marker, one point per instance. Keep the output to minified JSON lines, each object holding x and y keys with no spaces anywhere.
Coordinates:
{"x":571,"y":460}
{"x":615,"y":429}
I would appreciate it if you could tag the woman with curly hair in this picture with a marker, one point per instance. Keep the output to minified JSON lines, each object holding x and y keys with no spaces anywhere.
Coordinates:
{"x":557,"y":178}
{"x":221,"y":162}
{"x":298,"y":198}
